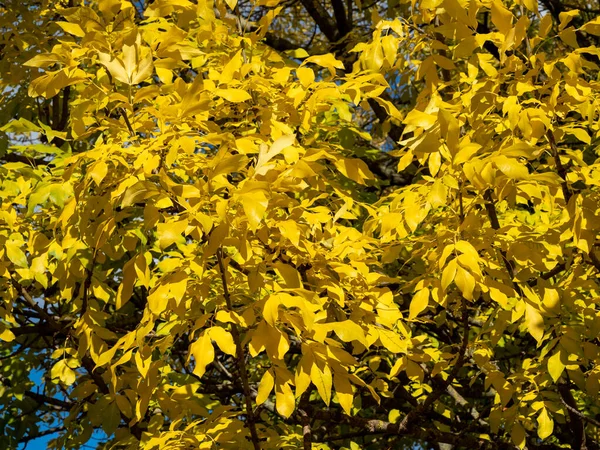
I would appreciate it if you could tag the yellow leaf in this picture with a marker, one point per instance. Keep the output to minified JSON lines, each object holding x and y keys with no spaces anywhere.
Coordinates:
{"x":203,"y":352}
{"x":438,"y":194}
{"x":466,"y":152}
{"x":349,"y":331}
{"x":414,"y":371}
{"x":171,"y":232}
{"x":535,"y":322}
{"x":227,"y":164}
{"x":580,"y":134}
{"x":511,"y":167}
{"x":394,"y":416}
{"x":138,"y":192}
{"x":354,"y":168}
{"x":418,"y":304}
{"x":289,"y":229}
{"x":124,"y":406}
{"x":231,"y":3}
{"x":264,"y":155}
{"x":284,"y":399}
{"x":44,"y":60}
{"x":343,"y":391}
{"x":467,"y":249}
{"x":233,"y":95}
{"x":555,"y":366}
{"x":271,"y":309}
{"x":71,"y":28}
{"x":545,"y":25}
{"x":328,"y":61}
{"x":231,"y":317}
{"x":98,"y":172}
{"x":373,"y":56}
{"x":449,"y":273}
{"x":470,"y":262}
{"x":6,"y":335}
{"x":290,"y":275}
{"x":545,"y":424}
{"x":389,"y":44}
{"x":15,"y":254}
{"x":143,"y":70}
{"x":592,"y":27}
{"x":517,"y":434}
{"x":405,"y":160}
{"x":63,"y":372}
{"x":305,"y":75}
{"x":142,"y":270}
{"x":414,"y":215}
{"x":223,"y":339}
{"x":297,"y":53}
{"x":531,"y":5}
{"x":465,"y":282}
{"x":126,"y":287}
{"x":323,"y":380}
{"x":254,"y":202}
{"x":566,"y":17}
{"x":277,"y":343}
{"x":420,"y":119}
{"x":265,"y":387}
{"x":501,"y":17}
{"x":392,"y":341}
{"x":302,"y":375}
{"x":115,"y":67}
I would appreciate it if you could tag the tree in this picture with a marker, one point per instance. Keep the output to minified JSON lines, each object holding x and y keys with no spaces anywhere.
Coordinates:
{"x":298,"y":224}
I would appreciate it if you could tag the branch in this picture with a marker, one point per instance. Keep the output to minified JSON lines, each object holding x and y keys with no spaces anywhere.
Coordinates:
{"x":40,"y":434}
{"x":567,"y":399}
{"x":595,"y":260}
{"x":89,"y":272}
{"x":439,"y":390}
{"x":64,"y":118}
{"x":322,"y":18}
{"x":14,"y":158}
{"x":395,"y":132}
{"x":546,"y":276}
{"x":560,"y":169}
{"x":575,"y":417}
{"x":240,"y":357}
{"x":374,"y":426}
{"x":88,"y":364}
{"x":306,"y":431}
{"x":341,"y":17}
{"x":495,"y":223}
{"x":132,"y":133}
{"x":44,"y":399}
{"x":31,"y":302}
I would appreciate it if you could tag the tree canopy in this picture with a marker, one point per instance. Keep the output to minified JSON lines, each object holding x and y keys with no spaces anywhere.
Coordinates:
{"x":283,"y":224}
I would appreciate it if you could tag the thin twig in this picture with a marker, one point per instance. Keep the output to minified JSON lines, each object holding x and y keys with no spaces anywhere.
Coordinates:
{"x":564,"y":398}
{"x":132,"y":133}
{"x":240,"y":357}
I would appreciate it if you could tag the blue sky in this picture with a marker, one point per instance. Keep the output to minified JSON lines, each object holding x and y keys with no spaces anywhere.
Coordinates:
{"x":42,"y":442}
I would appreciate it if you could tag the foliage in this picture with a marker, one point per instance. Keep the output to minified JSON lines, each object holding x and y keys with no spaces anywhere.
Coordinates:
{"x":216,"y":233}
